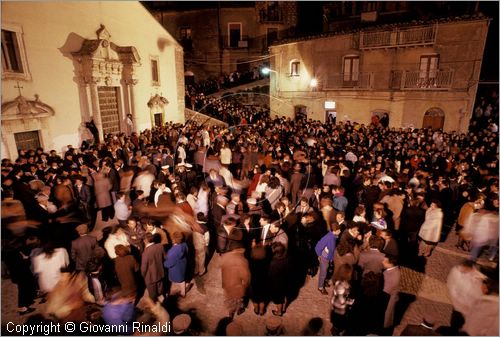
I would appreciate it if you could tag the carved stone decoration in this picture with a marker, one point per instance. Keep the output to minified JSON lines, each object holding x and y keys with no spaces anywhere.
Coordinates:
{"x":21,"y":108}
{"x":157,"y":101}
{"x":104,"y":62}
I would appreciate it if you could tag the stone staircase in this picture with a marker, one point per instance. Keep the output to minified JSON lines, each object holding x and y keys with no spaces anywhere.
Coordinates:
{"x":191,"y":115}
{"x":242,"y":87}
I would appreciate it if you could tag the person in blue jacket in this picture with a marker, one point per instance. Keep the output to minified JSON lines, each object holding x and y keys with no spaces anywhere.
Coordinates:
{"x":176,"y":263}
{"x":325,"y":249}
{"x":119,"y":312}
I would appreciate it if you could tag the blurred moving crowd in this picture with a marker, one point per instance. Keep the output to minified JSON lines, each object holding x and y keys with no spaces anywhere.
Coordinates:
{"x":115,"y":231}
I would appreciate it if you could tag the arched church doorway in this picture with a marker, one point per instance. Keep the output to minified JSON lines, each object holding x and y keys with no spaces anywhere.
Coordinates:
{"x":433,"y":118}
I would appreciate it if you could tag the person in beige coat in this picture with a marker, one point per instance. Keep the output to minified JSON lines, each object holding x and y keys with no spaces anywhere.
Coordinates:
{"x":235,"y":279}
{"x":430,"y":232}
{"x":464,"y":225}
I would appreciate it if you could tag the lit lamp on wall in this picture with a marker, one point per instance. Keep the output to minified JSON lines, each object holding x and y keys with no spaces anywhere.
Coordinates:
{"x":267,"y":70}
{"x":313,"y":83}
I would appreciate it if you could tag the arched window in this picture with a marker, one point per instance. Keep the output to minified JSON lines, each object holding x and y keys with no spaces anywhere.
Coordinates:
{"x":294,"y":67}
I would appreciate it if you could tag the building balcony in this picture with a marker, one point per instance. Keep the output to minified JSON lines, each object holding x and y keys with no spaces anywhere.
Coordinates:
{"x":349,"y":81}
{"x":271,"y":16}
{"x":398,"y":38}
{"x":418,"y":80}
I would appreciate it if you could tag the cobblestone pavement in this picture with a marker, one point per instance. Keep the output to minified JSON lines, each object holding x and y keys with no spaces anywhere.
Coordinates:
{"x":420,"y":294}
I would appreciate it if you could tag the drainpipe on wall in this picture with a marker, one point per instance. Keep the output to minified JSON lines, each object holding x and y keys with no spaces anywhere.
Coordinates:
{"x":221,"y":42}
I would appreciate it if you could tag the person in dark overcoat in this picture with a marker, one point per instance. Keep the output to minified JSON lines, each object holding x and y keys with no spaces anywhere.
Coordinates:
{"x":279,"y":274}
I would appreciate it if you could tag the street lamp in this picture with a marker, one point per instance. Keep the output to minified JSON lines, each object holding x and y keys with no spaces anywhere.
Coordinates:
{"x":267,"y":70}
{"x":314,"y":83}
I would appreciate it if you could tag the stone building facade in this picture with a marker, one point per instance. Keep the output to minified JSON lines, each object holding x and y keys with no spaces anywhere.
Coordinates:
{"x":421,"y":75}
{"x":67,"y":63}
{"x":228,"y":38}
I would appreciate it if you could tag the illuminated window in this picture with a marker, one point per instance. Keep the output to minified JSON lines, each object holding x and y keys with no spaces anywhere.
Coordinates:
{"x":294,"y":68}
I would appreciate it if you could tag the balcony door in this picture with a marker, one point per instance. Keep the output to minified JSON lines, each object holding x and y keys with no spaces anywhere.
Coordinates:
{"x":234,"y":32}
{"x":350,"y":76}
{"x":429,"y":65}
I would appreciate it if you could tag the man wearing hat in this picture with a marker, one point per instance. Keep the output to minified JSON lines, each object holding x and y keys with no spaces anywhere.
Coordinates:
{"x":164,"y":173}
{"x":181,"y":324}
{"x":190,"y":174}
{"x":82,"y":248}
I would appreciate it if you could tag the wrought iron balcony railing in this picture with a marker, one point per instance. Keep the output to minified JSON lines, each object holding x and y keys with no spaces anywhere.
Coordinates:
{"x":349,"y":81}
{"x":399,"y":37}
{"x":423,"y":80}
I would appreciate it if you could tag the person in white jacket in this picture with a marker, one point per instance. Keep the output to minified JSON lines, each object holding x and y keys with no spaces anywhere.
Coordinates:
{"x":118,"y":237}
{"x":430,"y":232}
{"x":482,"y":318}
{"x":464,"y":284}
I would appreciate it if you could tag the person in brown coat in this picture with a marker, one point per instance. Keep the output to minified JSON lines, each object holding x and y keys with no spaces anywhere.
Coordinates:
{"x":64,"y":193}
{"x":102,"y":189}
{"x":126,"y":268}
{"x":235,"y":279}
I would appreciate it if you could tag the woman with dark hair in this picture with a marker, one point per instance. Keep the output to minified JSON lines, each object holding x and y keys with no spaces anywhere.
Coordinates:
{"x":279,"y":273}
{"x":48,"y":266}
{"x":126,"y":268}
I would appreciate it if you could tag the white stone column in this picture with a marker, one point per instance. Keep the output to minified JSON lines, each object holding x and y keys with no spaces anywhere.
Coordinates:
{"x":134,"y":108}
{"x":96,"y":111}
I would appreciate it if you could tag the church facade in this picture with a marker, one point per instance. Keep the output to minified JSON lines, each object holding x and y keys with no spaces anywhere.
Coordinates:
{"x":65,"y":64}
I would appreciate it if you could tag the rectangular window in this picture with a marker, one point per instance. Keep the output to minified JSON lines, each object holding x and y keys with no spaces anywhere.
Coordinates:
{"x":294,"y":68}
{"x":351,"y":71}
{"x":155,"y":73}
{"x":14,"y":64}
{"x":185,"y":33}
{"x":234,"y":33}
{"x":11,"y":58}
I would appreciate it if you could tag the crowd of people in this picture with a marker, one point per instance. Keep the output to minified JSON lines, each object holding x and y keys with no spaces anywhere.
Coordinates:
{"x":229,"y":110}
{"x":485,"y":114}
{"x":225,"y":81}
{"x":275,"y":200}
